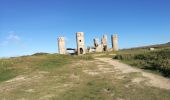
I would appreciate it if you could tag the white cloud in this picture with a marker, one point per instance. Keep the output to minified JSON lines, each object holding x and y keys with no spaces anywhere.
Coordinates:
{"x":12,"y":39}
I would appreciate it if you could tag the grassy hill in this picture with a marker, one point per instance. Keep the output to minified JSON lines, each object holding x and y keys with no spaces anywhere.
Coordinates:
{"x":61,"y":77}
{"x":156,"y":46}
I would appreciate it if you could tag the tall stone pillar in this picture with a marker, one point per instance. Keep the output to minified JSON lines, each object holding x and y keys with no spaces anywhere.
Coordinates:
{"x":96,"y":42}
{"x":80,"y":43}
{"x":104,"y":42}
{"x":61,"y":45}
{"x":114,"y":39}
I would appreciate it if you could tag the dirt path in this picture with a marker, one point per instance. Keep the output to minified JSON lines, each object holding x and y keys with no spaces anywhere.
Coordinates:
{"x":152,"y":79}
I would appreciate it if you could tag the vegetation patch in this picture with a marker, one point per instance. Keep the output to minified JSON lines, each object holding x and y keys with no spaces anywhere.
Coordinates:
{"x":7,"y":74}
{"x":6,"y":70}
{"x":62,"y":77}
{"x":158,"y":60}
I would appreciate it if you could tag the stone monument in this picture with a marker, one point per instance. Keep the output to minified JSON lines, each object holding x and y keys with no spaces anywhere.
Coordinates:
{"x":80,"y":43}
{"x":104,"y":43}
{"x":114,"y":39}
{"x":61,"y":45}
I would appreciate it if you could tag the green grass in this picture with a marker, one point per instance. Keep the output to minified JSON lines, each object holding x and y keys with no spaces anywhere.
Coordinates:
{"x":107,"y":54}
{"x":12,"y":67}
{"x":109,"y":88}
{"x":7,"y":74}
{"x":62,"y":77}
{"x":157,"y":61}
{"x":6,"y":70}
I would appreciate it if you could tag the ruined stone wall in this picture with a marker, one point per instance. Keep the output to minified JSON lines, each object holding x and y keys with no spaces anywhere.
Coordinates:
{"x":98,"y":47}
{"x":81,"y":44}
{"x":61,"y":45}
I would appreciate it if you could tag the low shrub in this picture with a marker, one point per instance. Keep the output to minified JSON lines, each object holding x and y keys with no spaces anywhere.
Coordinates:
{"x":124,"y":56}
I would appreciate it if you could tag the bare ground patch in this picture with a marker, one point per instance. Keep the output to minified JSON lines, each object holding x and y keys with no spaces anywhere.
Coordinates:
{"x":152,"y":79}
{"x":18,"y":81}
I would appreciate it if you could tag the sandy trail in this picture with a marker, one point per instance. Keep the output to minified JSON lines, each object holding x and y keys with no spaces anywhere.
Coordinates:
{"x":153,"y":79}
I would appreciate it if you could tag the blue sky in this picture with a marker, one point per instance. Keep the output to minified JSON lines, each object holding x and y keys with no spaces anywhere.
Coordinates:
{"x":30,"y":26}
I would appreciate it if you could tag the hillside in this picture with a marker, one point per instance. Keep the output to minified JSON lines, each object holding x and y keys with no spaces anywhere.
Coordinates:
{"x":157,"y":60}
{"x":157,"y":46}
{"x":62,"y":77}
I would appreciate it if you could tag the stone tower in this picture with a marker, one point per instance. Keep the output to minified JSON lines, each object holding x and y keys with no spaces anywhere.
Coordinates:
{"x":96,"y":42}
{"x":114,"y":39}
{"x":80,"y":43}
{"x":61,"y":45}
{"x":104,"y":42}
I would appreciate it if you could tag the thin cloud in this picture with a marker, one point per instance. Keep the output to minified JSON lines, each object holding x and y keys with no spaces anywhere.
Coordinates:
{"x":13,"y":39}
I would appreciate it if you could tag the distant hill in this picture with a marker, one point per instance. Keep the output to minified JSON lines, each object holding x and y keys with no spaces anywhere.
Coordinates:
{"x":161,"y":45}
{"x":158,"y":46}
{"x":168,"y":43}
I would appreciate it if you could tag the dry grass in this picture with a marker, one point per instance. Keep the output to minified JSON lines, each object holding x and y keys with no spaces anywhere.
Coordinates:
{"x":59,"y":77}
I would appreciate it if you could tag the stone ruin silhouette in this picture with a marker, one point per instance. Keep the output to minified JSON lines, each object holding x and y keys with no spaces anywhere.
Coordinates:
{"x":81,"y":49}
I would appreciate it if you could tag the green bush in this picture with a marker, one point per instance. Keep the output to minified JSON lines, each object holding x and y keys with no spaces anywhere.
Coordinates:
{"x":124,"y":56}
{"x":85,"y":57}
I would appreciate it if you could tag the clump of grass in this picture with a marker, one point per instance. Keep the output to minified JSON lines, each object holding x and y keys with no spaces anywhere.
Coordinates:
{"x":7,"y":74}
{"x":53,"y":61}
{"x":124,"y":56}
{"x":85,"y":57}
{"x":6,"y":70}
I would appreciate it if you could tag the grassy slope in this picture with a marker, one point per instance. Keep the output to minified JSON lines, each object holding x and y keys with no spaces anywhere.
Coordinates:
{"x":157,"y":61}
{"x":10,"y":68}
{"x":59,"y":77}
